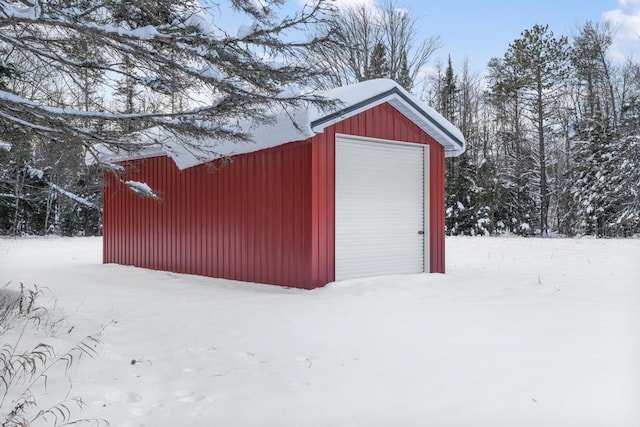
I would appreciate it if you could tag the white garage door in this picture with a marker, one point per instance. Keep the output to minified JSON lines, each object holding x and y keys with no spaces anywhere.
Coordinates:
{"x":380,"y":206}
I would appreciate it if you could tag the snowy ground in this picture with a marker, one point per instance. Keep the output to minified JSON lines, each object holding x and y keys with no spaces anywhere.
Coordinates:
{"x":525,"y":332}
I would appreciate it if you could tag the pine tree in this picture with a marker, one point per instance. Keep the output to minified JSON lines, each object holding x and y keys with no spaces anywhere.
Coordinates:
{"x":544,"y":61}
{"x":449,"y":91}
{"x":404,"y":74}
{"x":514,"y":184}
{"x":592,"y":71}
{"x":465,"y":213}
{"x":603,"y":171}
{"x":591,"y":147}
{"x":624,"y":192}
{"x":378,"y":67}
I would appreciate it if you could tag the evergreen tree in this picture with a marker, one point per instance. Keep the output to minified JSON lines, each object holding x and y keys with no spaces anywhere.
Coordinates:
{"x":463,"y":214}
{"x":592,"y":71}
{"x":7,"y":72}
{"x":449,"y":91}
{"x":544,"y":62}
{"x":514,"y":185}
{"x":624,"y":194}
{"x":460,"y":179}
{"x":467,"y":209}
{"x":378,"y":67}
{"x":603,"y":172}
{"x":591,"y":148}
{"x":593,"y":131}
{"x":404,"y":78}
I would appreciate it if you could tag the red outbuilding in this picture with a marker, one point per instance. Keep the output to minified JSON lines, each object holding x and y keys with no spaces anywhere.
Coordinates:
{"x":354,"y":192}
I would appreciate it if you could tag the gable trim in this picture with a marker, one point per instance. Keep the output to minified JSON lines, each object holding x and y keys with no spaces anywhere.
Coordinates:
{"x":394,"y":92}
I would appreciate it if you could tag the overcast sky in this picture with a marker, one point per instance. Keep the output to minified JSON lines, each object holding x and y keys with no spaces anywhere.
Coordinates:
{"x":482,"y":29}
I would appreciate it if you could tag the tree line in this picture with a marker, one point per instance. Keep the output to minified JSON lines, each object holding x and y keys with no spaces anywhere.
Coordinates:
{"x":553,"y":126}
{"x":554,"y":138}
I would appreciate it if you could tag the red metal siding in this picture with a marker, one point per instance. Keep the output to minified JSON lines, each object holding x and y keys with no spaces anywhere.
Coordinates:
{"x":437,"y":207}
{"x":249,"y":220}
{"x":383,"y":122}
{"x":323,"y":208}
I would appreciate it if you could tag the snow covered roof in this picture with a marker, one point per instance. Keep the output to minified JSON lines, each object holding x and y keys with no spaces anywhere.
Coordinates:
{"x":303,"y":123}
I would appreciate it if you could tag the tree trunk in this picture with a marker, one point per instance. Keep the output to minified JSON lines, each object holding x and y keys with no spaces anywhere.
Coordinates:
{"x":544,"y":194}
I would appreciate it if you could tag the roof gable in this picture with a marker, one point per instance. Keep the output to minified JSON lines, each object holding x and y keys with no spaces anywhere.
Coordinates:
{"x":365,"y":95}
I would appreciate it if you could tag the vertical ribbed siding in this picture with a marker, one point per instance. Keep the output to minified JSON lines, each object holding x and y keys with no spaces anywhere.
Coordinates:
{"x":437,"y":208}
{"x":383,"y":122}
{"x":248,"y":220}
{"x":323,"y":208}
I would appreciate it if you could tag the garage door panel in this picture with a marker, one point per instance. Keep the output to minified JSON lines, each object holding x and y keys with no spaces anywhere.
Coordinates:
{"x":379,"y":208}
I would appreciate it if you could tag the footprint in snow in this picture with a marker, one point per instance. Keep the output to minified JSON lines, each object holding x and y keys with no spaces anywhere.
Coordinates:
{"x":250,"y":356}
{"x":188,"y":396}
{"x":139,"y":412}
{"x":304,"y":360}
{"x":123,"y":396}
{"x":188,"y":370}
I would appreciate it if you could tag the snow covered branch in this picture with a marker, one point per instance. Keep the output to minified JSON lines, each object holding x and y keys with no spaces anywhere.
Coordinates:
{"x":182,"y":70}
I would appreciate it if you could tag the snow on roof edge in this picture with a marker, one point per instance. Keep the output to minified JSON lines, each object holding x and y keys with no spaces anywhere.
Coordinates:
{"x":387,"y":90}
{"x":303,"y":123}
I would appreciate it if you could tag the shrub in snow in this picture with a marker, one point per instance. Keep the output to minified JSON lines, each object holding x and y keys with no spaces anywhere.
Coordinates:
{"x":24,"y":369}
{"x":525,"y":229}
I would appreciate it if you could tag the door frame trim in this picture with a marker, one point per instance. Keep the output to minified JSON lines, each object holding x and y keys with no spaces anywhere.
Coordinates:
{"x":427,"y":214}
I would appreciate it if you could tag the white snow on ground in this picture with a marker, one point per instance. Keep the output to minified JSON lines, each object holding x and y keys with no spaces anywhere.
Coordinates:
{"x":526,"y":332}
